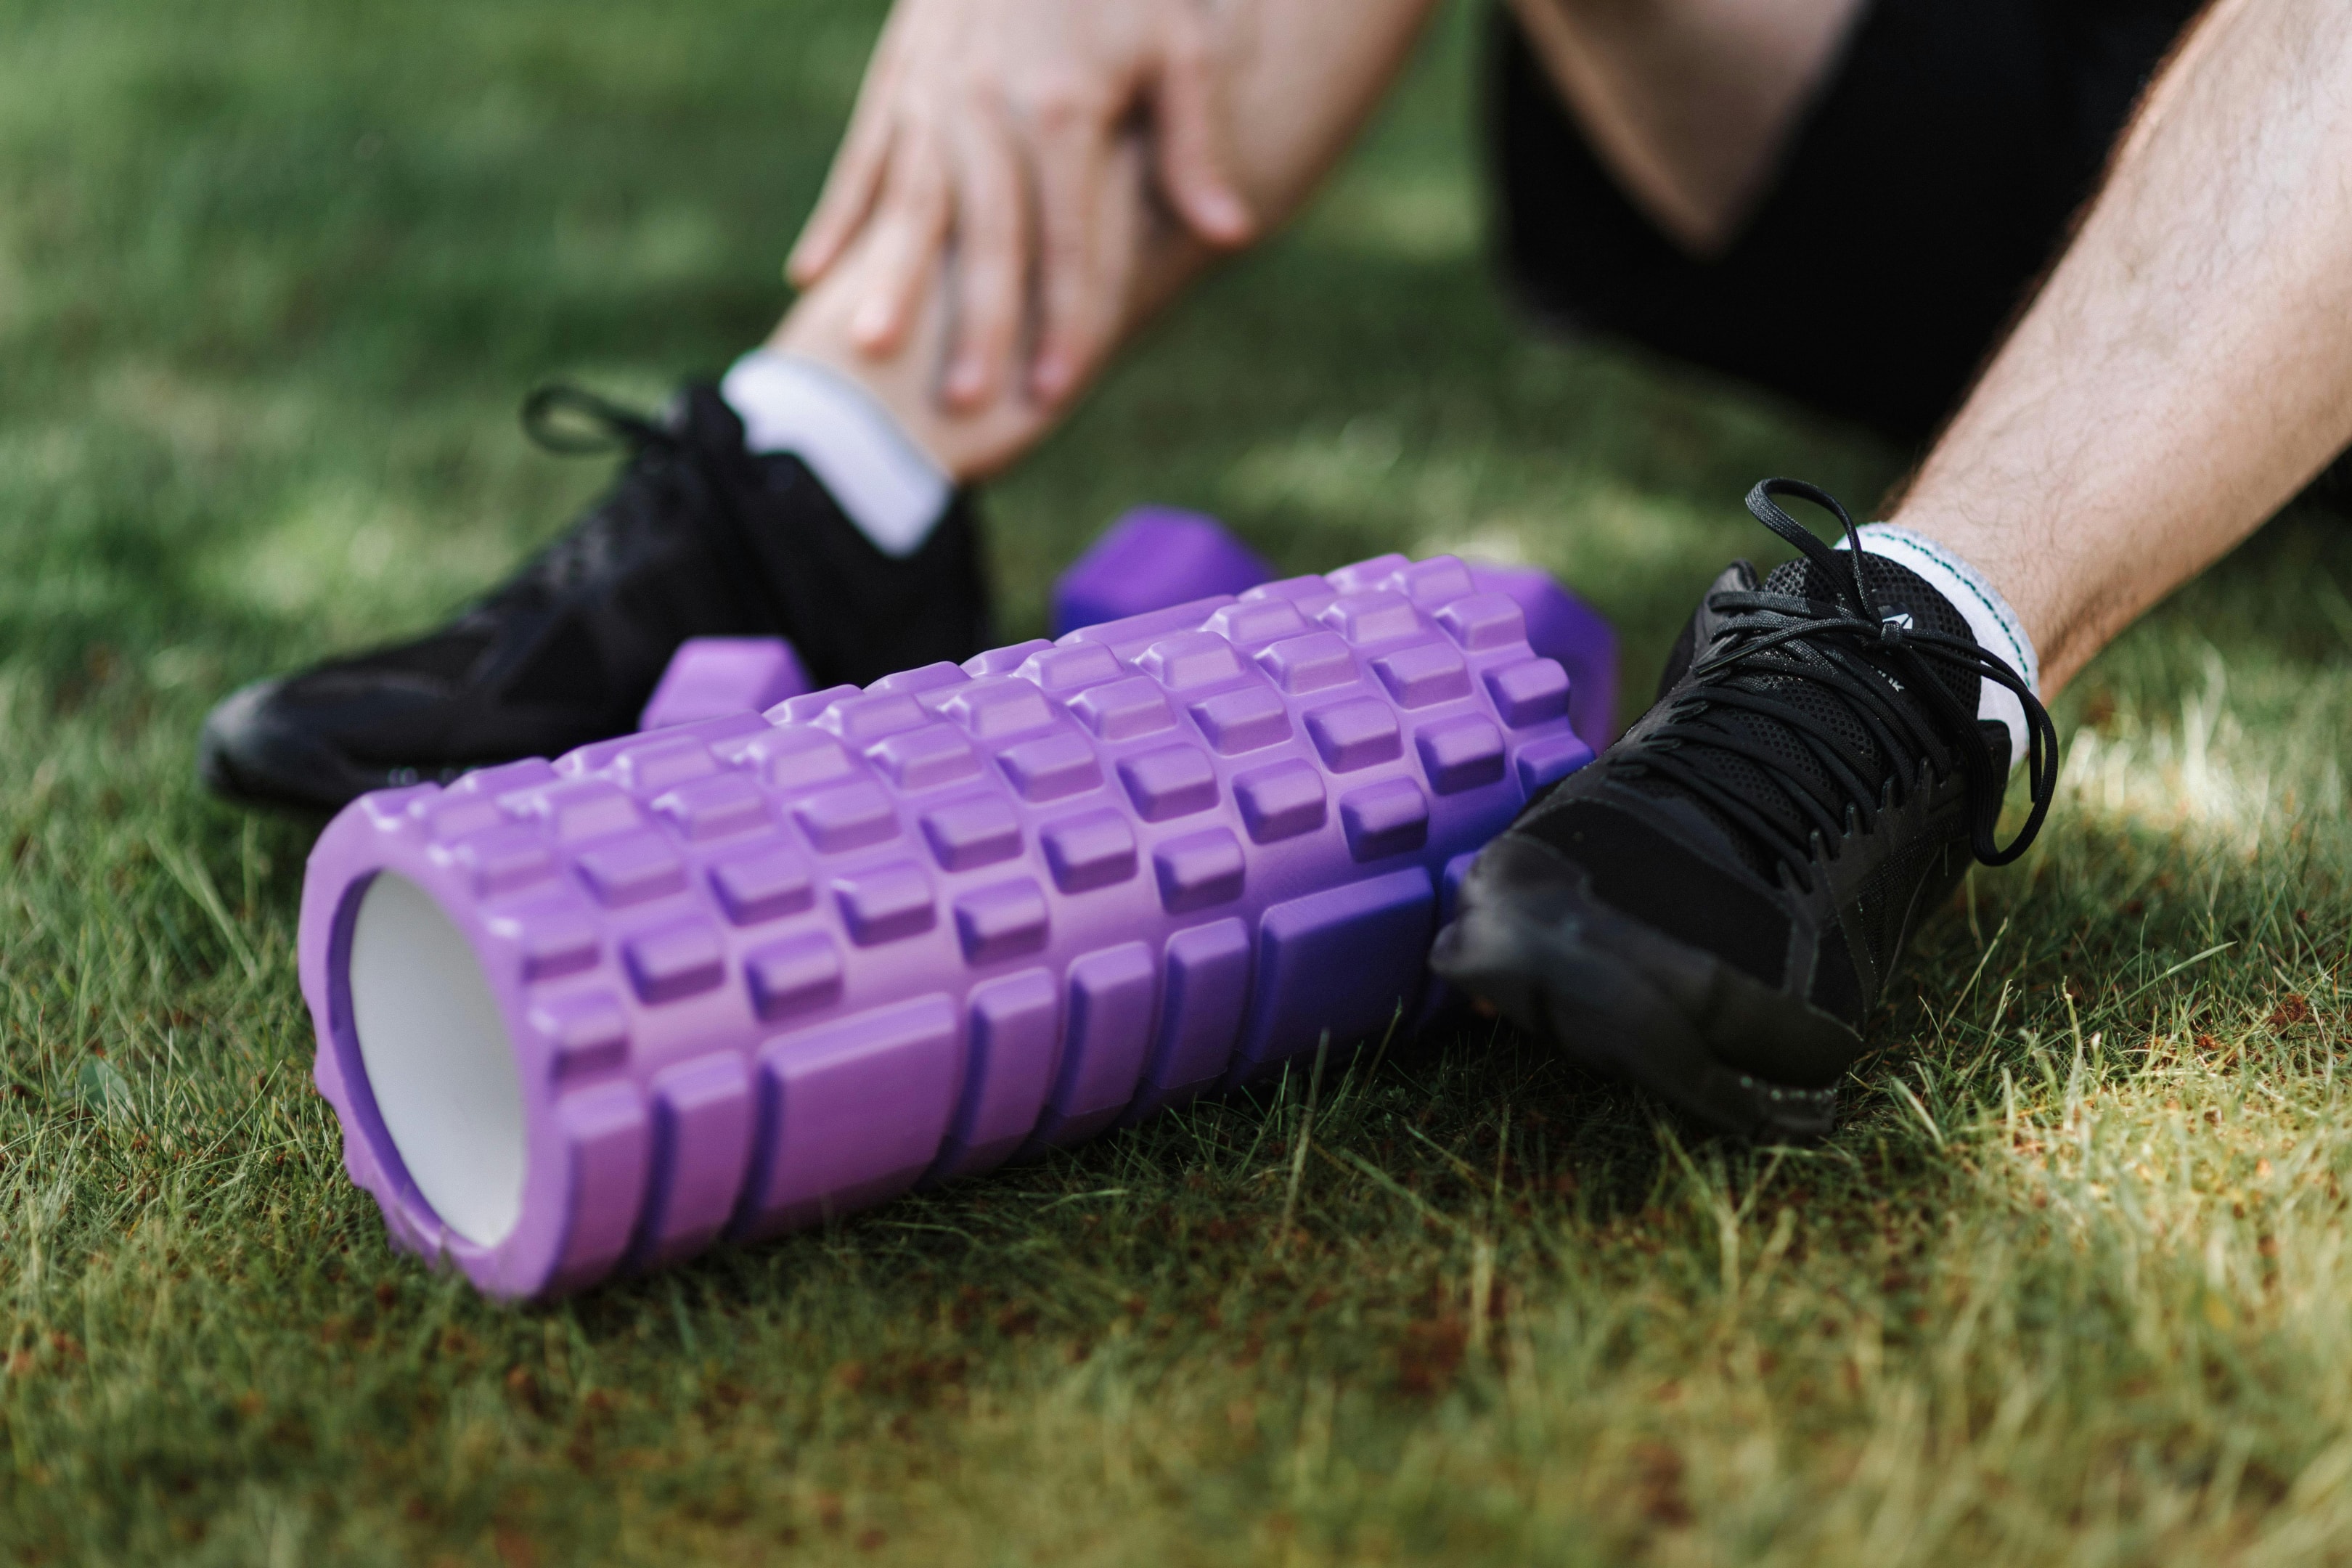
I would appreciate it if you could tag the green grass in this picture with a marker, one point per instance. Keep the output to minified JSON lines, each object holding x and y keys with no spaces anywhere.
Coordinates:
{"x":2070,"y":1285}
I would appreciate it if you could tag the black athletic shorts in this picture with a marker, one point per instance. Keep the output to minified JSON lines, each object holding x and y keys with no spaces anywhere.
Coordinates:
{"x":1927,"y":190}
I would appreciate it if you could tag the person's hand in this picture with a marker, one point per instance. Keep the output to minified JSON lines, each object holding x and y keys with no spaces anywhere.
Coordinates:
{"x":988,"y":126}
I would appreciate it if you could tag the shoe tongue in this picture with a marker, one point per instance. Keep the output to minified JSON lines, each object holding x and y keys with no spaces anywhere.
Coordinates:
{"x":1898,"y":588}
{"x":1899,"y":592}
{"x":701,"y":413}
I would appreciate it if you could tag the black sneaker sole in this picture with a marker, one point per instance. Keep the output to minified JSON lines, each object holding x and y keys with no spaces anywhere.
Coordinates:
{"x":1619,"y":996}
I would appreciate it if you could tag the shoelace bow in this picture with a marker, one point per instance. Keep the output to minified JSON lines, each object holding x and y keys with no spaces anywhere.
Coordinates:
{"x":611,"y":427}
{"x":1823,"y":642}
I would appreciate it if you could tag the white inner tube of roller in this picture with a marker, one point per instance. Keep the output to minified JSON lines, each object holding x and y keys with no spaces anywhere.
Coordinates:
{"x":438,"y":1059}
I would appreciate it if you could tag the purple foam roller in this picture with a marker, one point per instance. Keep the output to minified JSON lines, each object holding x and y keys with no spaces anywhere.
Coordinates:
{"x":1152,"y":557}
{"x":750,"y":973}
{"x":1564,"y":627}
{"x":712,"y":678}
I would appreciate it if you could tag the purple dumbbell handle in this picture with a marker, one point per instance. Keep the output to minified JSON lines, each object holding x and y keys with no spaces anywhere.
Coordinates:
{"x":750,"y":973}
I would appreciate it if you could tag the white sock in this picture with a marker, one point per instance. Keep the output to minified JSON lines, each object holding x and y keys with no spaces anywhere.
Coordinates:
{"x":884,"y":483}
{"x":1990,"y":620}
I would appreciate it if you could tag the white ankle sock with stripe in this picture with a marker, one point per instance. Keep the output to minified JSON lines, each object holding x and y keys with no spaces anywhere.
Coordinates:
{"x":1990,"y":620}
{"x":882,"y":481}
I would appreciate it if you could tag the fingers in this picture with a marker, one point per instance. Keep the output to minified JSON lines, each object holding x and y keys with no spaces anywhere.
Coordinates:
{"x":909,"y":229}
{"x":1194,"y":160}
{"x":848,"y":195}
{"x":854,"y":180}
{"x":1070,"y":146}
{"x":990,"y":259}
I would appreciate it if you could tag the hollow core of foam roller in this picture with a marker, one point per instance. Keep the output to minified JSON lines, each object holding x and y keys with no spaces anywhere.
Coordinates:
{"x":738,"y":976}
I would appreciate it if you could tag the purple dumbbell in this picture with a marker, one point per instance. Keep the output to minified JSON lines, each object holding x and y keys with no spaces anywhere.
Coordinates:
{"x":712,"y":678}
{"x":746,"y":974}
{"x":1151,"y":558}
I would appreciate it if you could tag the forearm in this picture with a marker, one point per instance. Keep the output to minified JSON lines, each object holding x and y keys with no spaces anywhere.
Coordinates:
{"x":2188,"y":366}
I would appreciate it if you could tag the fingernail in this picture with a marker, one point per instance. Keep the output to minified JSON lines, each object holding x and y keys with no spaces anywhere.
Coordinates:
{"x":1227,"y":212}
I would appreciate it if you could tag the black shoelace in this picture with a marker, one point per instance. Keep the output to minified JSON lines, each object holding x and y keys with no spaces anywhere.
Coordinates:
{"x":610,"y":427}
{"x":1823,"y":643}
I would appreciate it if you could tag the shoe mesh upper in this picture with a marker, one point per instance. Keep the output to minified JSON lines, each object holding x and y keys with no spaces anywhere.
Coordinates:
{"x":1898,"y":590}
{"x":1676,"y":887}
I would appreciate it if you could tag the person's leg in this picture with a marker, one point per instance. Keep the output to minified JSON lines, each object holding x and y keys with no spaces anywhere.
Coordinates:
{"x":1691,"y":103}
{"x":1924,"y":185}
{"x":2188,"y":367}
{"x":1715,"y":906}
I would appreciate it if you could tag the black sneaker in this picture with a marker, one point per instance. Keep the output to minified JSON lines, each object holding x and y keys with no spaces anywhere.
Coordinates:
{"x":697,"y":538}
{"x":1714,"y":905}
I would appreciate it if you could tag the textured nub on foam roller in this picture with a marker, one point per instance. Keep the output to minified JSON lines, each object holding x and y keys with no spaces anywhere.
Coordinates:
{"x":737,"y":977}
